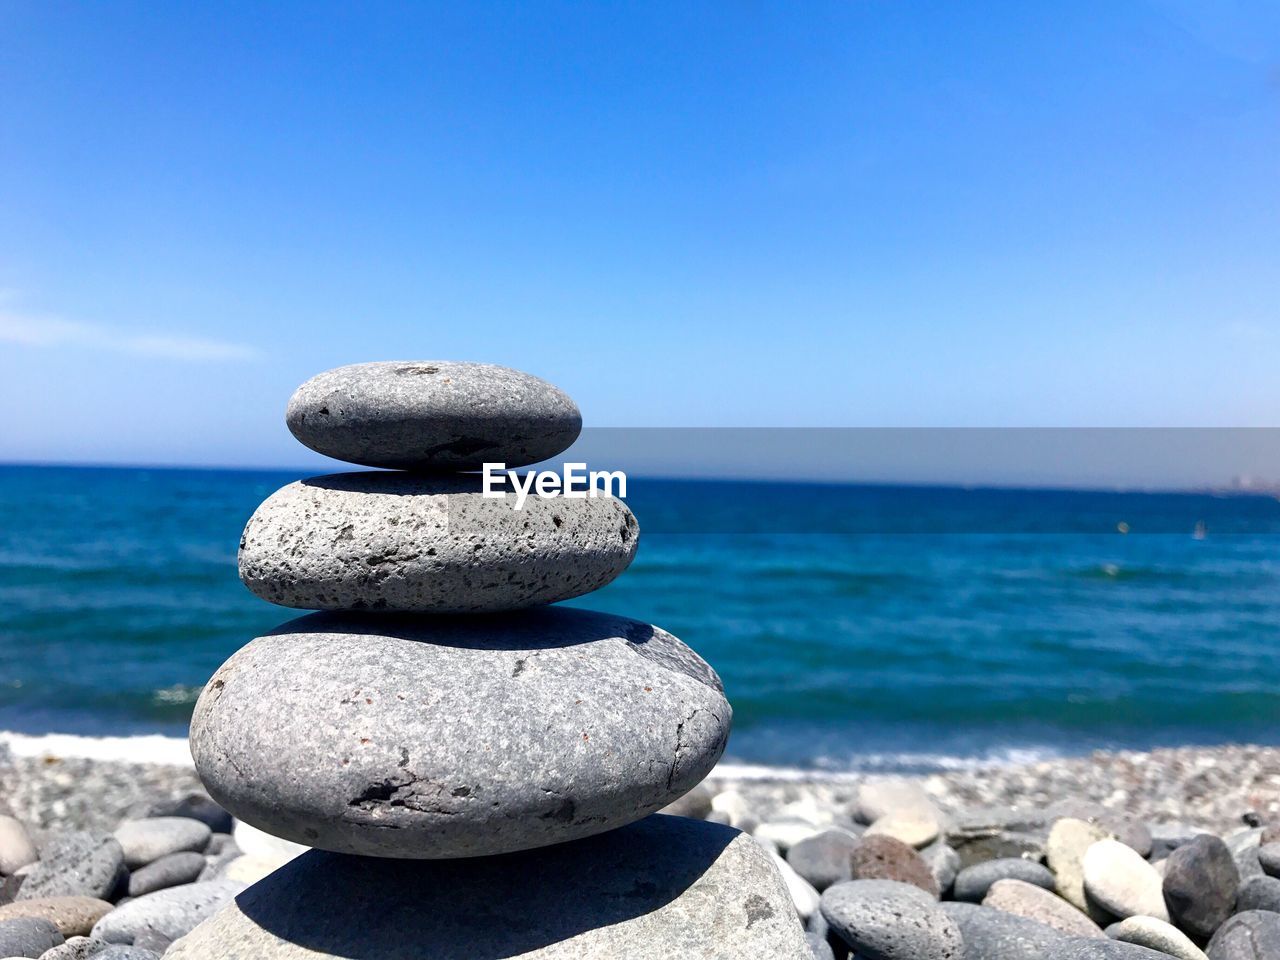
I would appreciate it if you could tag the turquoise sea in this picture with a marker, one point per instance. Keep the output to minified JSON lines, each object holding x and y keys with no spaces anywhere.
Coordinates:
{"x":855,"y":627}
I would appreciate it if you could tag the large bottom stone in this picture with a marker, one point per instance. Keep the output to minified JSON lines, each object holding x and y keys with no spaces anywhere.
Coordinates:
{"x":460,"y":736}
{"x":662,"y":888}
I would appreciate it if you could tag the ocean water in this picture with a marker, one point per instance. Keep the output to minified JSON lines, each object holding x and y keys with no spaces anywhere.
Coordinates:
{"x":854,"y":627}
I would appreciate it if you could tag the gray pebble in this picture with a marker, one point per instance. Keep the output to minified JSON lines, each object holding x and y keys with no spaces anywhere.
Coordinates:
{"x":991,"y":934}
{"x":168,"y":871}
{"x":1251,"y":935}
{"x":219,"y":844}
{"x":16,"y":847}
{"x":122,"y":952}
{"x":1259,"y":893}
{"x":824,"y":858}
{"x":400,"y":542}
{"x":171,"y":913}
{"x":456,"y":737}
{"x":1200,"y":885}
{"x":819,"y":947}
{"x":972,"y":883}
{"x":27,"y":937}
{"x":146,"y":840}
{"x":1269,"y":859}
{"x":889,"y":920}
{"x":81,"y":863}
{"x":76,"y":948}
{"x":432,"y":415}
{"x":195,"y":806}
{"x":943,"y":863}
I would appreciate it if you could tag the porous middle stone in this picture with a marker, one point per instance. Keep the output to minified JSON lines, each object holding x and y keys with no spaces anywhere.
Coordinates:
{"x":404,"y":542}
{"x":662,"y":888}
{"x":432,"y":415}
{"x":459,"y":736}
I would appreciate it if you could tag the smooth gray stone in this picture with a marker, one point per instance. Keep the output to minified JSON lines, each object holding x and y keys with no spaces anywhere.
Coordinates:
{"x":16,"y":847}
{"x":991,"y":934}
{"x":1259,"y":893}
{"x":1078,"y":948}
{"x":400,"y":542}
{"x":76,"y":948}
{"x":662,"y":888}
{"x":149,"y":839}
{"x":27,"y":937}
{"x":171,"y":913}
{"x":172,"y":870}
{"x":1269,"y":859}
{"x":118,"y":951}
{"x":219,"y":844}
{"x":943,"y":863}
{"x":819,"y":948}
{"x":432,"y":415}
{"x":1251,"y":935}
{"x":972,"y":883}
{"x":152,"y":940}
{"x":1200,"y":884}
{"x":457,"y":737}
{"x":195,"y":806}
{"x":824,"y":859}
{"x":888,"y":920}
{"x":80,"y":863}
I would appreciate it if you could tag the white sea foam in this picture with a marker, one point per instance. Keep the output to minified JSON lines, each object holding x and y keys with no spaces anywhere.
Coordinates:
{"x":151,"y":748}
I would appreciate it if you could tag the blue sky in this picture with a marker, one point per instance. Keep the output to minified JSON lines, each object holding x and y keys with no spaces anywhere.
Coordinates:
{"x":867,"y":213}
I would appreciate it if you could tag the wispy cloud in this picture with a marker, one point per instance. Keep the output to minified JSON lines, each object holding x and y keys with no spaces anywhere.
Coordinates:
{"x":34,"y":331}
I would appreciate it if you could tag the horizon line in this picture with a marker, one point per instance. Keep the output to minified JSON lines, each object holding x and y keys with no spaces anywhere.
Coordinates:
{"x":1010,"y":486}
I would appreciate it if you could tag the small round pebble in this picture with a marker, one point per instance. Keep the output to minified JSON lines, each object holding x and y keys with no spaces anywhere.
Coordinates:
{"x":1251,"y":935}
{"x":1269,"y":859}
{"x":195,"y":806}
{"x":144,"y":841}
{"x":1040,"y":904}
{"x":825,"y":858}
{"x":171,"y":870}
{"x":972,"y":883}
{"x":1259,"y":893}
{"x":819,"y":947}
{"x":884,"y":858}
{"x":991,"y":934}
{"x":915,"y":826}
{"x":73,"y":916}
{"x":1069,"y":840}
{"x":943,"y":862}
{"x":27,"y":937}
{"x":1156,"y":935}
{"x":1201,"y":881}
{"x":1121,"y":882}
{"x":888,"y":920}
{"x":80,"y":863}
{"x":16,"y":847}
{"x":172,"y":913}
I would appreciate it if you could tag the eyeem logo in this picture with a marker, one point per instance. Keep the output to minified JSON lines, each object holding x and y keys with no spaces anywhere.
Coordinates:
{"x":576,"y":483}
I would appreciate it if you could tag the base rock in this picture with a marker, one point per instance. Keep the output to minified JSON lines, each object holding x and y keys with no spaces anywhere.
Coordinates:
{"x":664,"y":887}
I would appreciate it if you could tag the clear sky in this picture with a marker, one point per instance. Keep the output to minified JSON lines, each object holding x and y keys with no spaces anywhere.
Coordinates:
{"x":863,"y":213}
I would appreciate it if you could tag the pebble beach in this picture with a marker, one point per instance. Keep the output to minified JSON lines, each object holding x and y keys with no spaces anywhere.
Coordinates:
{"x":984,"y":829}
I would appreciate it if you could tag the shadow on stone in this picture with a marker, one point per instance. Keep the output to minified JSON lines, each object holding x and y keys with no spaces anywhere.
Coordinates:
{"x":540,"y":628}
{"x":496,"y":907}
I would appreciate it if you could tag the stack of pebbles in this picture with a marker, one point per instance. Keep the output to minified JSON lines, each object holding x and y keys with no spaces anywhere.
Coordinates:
{"x":475,"y":767}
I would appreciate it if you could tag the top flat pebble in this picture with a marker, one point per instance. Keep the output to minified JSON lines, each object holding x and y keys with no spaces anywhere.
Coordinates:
{"x":433,"y":415}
